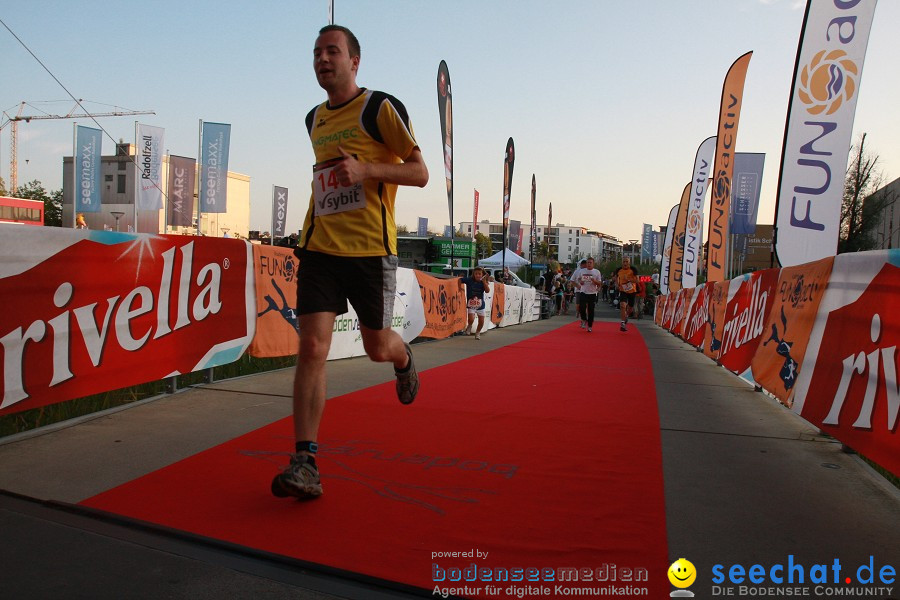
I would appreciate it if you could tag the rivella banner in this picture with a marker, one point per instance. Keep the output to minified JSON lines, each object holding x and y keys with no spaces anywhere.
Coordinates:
{"x":89,"y":311}
{"x":214,"y":146}
{"x":693,"y":237}
{"x":819,"y":126}
{"x":726,"y":142}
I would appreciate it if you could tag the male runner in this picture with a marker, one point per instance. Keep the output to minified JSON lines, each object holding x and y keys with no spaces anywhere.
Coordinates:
{"x":364,"y":147}
{"x":587,"y":279}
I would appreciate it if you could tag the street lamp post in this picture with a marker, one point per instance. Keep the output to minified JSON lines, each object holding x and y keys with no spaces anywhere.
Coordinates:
{"x":118,"y":215}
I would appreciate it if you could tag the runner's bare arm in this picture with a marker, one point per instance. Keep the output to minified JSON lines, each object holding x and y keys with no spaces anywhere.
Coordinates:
{"x":410,"y":172}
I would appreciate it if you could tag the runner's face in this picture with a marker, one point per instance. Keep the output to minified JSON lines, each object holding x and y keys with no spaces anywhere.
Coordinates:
{"x":589,"y":264}
{"x":478,"y":275}
{"x":332,"y":62}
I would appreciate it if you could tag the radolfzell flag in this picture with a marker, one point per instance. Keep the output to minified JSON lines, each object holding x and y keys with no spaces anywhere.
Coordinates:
{"x":150,"y":144}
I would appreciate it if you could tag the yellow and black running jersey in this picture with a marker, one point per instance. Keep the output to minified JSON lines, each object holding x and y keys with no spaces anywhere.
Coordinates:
{"x":359,"y":220}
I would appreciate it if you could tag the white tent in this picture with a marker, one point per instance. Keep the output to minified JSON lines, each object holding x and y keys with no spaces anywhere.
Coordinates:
{"x":513,"y":260}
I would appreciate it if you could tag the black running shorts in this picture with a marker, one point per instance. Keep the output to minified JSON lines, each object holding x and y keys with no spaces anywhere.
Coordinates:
{"x":325,"y":283}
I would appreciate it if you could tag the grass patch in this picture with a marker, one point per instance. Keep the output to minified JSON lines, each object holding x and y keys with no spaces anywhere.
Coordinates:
{"x":79,"y":407}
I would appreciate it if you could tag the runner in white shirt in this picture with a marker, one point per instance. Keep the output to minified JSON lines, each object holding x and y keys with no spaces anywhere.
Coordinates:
{"x":587,"y":280}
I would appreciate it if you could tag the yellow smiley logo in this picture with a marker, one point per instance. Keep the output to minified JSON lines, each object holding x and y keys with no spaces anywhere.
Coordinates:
{"x":682,"y":573}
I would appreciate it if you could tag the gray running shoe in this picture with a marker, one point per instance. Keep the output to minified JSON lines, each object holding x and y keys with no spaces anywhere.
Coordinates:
{"x":407,"y":381}
{"x":299,"y":479}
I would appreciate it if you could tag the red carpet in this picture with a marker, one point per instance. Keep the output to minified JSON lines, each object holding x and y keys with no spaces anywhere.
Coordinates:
{"x":544,"y":454}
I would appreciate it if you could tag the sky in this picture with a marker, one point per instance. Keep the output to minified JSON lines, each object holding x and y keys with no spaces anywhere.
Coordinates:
{"x":606,"y":101}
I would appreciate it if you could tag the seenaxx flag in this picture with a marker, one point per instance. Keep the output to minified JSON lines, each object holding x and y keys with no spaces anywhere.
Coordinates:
{"x":181,"y":191}
{"x":151,"y":149}
{"x":87,"y":169}
{"x":818,"y":129}
{"x":215,"y":143}
{"x":726,"y":141}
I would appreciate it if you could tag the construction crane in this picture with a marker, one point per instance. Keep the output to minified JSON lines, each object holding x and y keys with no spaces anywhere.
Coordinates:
{"x":72,"y":114}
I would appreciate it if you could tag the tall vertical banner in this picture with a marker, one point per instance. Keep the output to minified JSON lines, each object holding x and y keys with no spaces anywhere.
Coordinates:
{"x":509,"y":159}
{"x":180,"y":205}
{"x":515,"y":236}
{"x":676,"y":259}
{"x":214,"y":145}
{"x":532,"y":239}
{"x":726,"y":142}
{"x":279,"y":211}
{"x":445,"y":109}
{"x":86,"y":170}
{"x":475,"y":216}
{"x":748,"y":172}
{"x":666,"y":265}
{"x":819,"y":126}
{"x":150,"y":144}
{"x":549,"y":221}
{"x":646,"y":242}
{"x":694,"y":230}
{"x":422,"y":227}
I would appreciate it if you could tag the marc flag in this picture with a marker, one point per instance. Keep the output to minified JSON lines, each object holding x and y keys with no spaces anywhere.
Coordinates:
{"x":214,"y":144}
{"x":694,"y":228}
{"x":726,"y":141}
{"x":182,"y":172}
{"x":676,"y":260}
{"x":445,"y":110}
{"x":150,"y":144}
{"x":279,"y":211}
{"x":818,"y":129}
{"x":87,"y":169}
{"x":667,"y":251}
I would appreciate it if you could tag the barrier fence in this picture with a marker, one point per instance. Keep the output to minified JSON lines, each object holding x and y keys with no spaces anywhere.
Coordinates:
{"x":821,"y":337}
{"x":85,"y":312}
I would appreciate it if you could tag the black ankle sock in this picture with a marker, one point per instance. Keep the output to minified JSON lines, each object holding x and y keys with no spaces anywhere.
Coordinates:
{"x":310,"y":448}
{"x":408,"y":365}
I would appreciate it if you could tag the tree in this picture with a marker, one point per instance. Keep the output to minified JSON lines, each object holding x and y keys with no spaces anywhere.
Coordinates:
{"x":402,"y":230}
{"x":483,"y":245}
{"x":34,"y":190}
{"x":860,"y":211}
{"x":3,"y":190}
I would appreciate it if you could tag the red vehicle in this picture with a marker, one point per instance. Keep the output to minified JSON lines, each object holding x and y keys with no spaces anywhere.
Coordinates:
{"x":22,"y":211}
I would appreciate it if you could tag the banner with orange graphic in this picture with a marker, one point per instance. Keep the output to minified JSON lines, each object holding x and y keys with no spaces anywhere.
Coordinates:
{"x":667,"y":251}
{"x":444,"y":304}
{"x":498,"y":304}
{"x":750,"y":298}
{"x":848,"y":384}
{"x":676,"y":258}
{"x":726,"y":141}
{"x":275,"y":268}
{"x":819,"y":126}
{"x":718,"y":297}
{"x":786,"y":333}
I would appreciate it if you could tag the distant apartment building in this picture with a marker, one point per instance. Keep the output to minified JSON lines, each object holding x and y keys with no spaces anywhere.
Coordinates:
{"x":568,"y":243}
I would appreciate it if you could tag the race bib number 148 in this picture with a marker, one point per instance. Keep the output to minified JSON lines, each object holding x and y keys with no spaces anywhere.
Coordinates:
{"x":330,"y":196}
